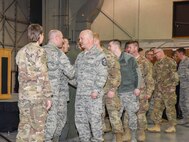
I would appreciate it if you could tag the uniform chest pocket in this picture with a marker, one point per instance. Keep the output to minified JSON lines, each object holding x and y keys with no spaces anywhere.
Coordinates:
{"x":91,"y":62}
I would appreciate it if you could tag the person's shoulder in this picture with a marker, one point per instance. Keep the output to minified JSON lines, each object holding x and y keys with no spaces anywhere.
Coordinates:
{"x":145,"y":60}
{"x":49,"y":47}
{"x":187,"y":59}
{"x":80,"y":54}
{"x":24,"y":48}
{"x":128,"y":56}
{"x":98,"y":53}
{"x":170,"y":60}
{"x":108,"y":53}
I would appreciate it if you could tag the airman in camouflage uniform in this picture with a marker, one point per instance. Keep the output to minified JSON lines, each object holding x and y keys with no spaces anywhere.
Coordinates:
{"x":34,"y":88}
{"x":58,"y":66}
{"x":147,"y":87}
{"x":111,"y":100}
{"x":149,"y":54}
{"x":128,"y":89}
{"x":183,"y":71}
{"x":64,"y":95}
{"x":91,"y":75}
{"x":166,"y":79}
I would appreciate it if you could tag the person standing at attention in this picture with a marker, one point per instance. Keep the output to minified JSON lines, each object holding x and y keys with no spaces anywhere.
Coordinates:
{"x":91,"y":75}
{"x":111,"y":100}
{"x":129,"y":89}
{"x":146,"y":89}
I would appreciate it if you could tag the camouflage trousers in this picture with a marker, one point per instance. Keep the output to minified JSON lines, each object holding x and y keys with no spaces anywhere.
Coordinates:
{"x":151,"y":107}
{"x":33,"y":115}
{"x":130,"y":104}
{"x":56,"y":118}
{"x":141,"y":114}
{"x":88,"y":118}
{"x":164,"y":100}
{"x":113,"y":106}
{"x":184,"y":102}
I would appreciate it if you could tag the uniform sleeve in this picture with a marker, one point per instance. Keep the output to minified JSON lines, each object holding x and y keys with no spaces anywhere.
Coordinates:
{"x":114,"y":74}
{"x":187,"y":69}
{"x":43,"y":75}
{"x":173,"y":73}
{"x":137,"y":71}
{"x":154,"y":72}
{"x":66,"y":66}
{"x":101,"y":76}
{"x":20,"y":61}
{"x":148,"y":79}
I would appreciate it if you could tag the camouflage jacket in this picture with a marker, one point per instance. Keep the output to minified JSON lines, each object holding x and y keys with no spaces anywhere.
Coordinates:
{"x":165,"y":74}
{"x":91,"y":72}
{"x":33,"y":76}
{"x":147,"y":85}
{"x":114,"y":75}
{"x":183,"y":71}
{"x":58,"y":65}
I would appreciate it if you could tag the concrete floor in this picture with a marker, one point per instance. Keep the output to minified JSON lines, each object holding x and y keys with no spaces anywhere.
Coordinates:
{"x":182,"y":135}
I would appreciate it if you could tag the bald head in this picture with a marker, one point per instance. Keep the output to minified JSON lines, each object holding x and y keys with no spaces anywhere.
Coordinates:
{"x":56,"y":37}
{"x":86,"y":39}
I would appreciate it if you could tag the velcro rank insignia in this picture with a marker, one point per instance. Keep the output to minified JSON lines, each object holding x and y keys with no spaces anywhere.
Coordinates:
{"x":104,"y":62}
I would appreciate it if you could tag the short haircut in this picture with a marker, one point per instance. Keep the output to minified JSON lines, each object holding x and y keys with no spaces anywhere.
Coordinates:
{"x":88,"y":33}
{"x":140,"y":49}
{"x":34,"y":31}
{"x":131,"y":42}
{"x":181,"y":50}
{"x":116,"y":42}
{"x":53,"y":33}
{"x":157,"y":48}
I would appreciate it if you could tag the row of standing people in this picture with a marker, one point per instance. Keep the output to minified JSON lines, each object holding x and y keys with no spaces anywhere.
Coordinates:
{"x":44,"y":74}
{"x":182,"y":107}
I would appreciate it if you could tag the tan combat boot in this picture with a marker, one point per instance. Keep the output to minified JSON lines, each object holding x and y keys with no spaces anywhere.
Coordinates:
{"x":141,"y":135}
{"x":127,"y":135}
{"x":155,"y":128}
{"x":118,"y":137}
{"x":171,"y":129}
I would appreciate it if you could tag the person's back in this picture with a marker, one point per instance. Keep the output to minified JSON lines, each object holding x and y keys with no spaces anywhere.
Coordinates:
{"x":34,"y":87}
{"x":27,"y":61}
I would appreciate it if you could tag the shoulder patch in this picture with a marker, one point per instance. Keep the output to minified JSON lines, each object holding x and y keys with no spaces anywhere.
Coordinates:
{"x":104,"y":62}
